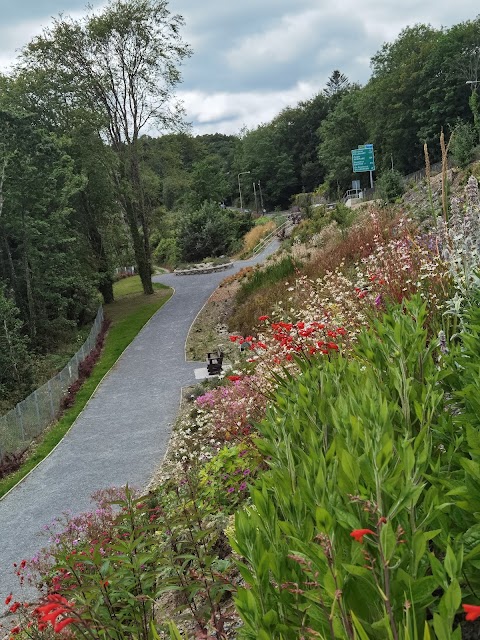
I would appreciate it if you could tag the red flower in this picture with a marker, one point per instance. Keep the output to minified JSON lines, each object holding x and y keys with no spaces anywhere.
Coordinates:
{"x":8,"y":599}
{"x":332,"y":345}
{"x":472,"y":611}
{"x":233,"y":338}
{"x":15,"y":630}
{"x":300,"y":325}
{"x":14,"y":607}
{"x":53,"y":615}
{"x":62,"y":624}
{"x":359,"y":533}
{"x":262,"y":318}
{"x":234,"y":378}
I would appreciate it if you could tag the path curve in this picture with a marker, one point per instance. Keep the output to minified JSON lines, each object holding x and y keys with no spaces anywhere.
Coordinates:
{"x":123,"y":432}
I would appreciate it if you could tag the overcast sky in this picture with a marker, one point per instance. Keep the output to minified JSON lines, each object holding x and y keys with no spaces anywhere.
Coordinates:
{"x":254,"y":57}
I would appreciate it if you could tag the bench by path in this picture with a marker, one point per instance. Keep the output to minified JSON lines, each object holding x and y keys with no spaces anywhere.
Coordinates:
{"x":121,"y":435}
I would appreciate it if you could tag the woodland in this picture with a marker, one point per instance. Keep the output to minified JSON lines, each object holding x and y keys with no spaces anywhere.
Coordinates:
{"x":85,"y":191}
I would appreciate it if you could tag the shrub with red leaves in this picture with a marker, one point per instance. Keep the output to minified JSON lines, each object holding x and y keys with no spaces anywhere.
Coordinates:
{"x":85,"y":367}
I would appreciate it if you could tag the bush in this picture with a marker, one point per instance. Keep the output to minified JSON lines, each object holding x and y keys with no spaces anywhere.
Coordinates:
{"x":211,"y":231}
{"x":462,"y":146}
{"x":167,"y":252}
{"x":390,"y":185}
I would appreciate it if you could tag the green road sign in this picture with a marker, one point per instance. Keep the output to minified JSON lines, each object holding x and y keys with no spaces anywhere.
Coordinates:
{"x":363,"y":159}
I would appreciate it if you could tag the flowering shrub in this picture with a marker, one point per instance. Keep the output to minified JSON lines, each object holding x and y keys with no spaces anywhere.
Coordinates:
{"x":459,"y":239}
{"x":228,"y":412}
{"x":225,"y":478}
{"x":100,"y":574}
{"x":347,"y":536}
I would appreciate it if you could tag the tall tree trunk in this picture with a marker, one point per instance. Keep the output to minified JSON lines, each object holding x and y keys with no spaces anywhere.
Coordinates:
{"x":32,"y":321}
{"x":106,"y":289}
{"x":134,"y":212}
{"x":142,"y":213}
{"x":144,"y":268}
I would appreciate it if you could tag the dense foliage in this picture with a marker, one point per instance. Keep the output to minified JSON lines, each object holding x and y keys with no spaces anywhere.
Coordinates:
{"x":211,"y":231}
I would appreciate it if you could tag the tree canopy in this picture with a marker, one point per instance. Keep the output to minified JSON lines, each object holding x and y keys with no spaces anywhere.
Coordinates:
{"x":122,"y":65}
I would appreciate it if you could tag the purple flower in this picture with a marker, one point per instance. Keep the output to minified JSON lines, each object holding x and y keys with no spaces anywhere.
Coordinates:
{"x":243,"y":486}
{"x":246,"y":472}
{"x":230,"y":489}
{"x":378,"y":300}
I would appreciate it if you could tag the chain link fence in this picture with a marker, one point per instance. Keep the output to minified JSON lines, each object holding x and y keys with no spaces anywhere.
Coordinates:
{"x":21,"y":425}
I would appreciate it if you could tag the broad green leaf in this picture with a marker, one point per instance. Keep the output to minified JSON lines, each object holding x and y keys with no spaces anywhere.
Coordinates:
{"x":359,"y":630}
{"x":388,"y":541}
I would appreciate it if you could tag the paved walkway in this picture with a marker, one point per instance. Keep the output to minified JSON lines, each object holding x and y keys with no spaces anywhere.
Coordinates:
{"x":123,"y":432}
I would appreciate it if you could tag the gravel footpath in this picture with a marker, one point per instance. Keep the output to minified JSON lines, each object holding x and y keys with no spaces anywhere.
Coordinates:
{"x":122,"y":433}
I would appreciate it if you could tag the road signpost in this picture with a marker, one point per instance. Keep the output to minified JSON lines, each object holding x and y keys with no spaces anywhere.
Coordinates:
{"x":363,"y":159}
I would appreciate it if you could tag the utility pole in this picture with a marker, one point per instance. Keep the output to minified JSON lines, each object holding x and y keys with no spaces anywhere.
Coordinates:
{"x":240,"y":188}
{"x":255,"y":196}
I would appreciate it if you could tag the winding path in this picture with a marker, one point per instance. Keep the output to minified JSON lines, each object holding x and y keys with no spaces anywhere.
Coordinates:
{"x":123,"y":432}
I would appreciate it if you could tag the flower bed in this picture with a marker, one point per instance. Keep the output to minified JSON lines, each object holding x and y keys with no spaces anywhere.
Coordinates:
{"x":338,"y":460}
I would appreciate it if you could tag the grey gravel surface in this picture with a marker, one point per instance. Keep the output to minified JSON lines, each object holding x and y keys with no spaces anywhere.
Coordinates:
{"x":123,"y":432}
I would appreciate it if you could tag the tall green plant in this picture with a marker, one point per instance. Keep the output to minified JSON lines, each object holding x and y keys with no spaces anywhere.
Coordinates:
{"x":341,"y":538}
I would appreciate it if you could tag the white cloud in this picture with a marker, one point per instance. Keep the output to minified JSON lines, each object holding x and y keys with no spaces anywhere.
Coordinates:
{"x":252,"y":59}
{"x":293,"y":35}
{"x":15,"y":39}
{"x":230,"y":112}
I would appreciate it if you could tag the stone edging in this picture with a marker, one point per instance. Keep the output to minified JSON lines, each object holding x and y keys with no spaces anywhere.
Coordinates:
{"x":194,"y":271}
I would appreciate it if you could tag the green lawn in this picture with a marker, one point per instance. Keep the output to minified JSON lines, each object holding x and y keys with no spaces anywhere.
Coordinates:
{"x":130,"y":311}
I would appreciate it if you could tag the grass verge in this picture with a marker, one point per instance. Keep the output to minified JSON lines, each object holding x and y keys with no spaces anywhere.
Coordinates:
{"x":129,"y":313}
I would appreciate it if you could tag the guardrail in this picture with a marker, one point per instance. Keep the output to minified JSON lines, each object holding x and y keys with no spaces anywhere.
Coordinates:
{"x":353,"y":194}
{"x":263,"y":243}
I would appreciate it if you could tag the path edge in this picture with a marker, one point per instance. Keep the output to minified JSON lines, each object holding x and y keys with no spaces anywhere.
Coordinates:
{"x":88,"y":402}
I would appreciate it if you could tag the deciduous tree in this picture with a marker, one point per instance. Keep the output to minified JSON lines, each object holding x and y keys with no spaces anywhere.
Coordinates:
{"x":122,"y":64}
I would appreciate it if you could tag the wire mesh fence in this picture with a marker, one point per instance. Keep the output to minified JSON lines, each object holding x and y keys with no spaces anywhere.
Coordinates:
{"x":29,"y":418}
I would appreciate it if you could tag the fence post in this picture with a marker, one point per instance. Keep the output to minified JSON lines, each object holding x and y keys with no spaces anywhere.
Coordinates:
{"x":37,"y":409}
{"x":20,"y":421}
{"x":52,"y":408}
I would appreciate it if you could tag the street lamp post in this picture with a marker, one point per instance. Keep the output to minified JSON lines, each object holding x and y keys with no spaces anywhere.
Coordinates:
{"x":261,"y":196}
{"x":240,"y":188}
{"x":255,"y":196}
